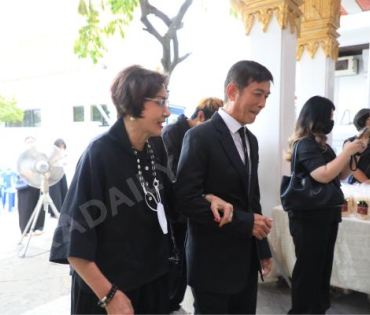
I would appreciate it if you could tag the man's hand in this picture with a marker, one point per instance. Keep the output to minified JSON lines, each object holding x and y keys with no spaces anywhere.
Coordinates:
{"x":262,"y":226}
{"x":120,"y":304}
{"x":266,"y":265}
{"x":218,"y":204}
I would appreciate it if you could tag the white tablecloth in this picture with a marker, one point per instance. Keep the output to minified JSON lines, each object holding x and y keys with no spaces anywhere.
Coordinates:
{"x":351,"y":269}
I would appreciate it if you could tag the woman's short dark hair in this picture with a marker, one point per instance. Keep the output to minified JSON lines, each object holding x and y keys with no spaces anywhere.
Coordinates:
{"x":315,"y":114}
{"x":361,"y":117}
{"x":60,"y":143}
{"x":245,"y":72}
{"x":131,"y":86}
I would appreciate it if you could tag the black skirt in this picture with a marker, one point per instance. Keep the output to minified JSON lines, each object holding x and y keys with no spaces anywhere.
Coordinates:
{"x":150,"y":298}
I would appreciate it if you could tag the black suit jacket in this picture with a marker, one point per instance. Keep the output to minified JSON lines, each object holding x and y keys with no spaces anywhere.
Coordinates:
{"x":172,"y":136}
{"x":219,"y":259}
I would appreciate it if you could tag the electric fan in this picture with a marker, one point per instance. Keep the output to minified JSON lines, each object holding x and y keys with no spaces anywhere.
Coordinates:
{"x":40,"y":171}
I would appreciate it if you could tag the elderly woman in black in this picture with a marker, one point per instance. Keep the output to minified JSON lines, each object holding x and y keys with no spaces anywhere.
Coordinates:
{"x":113,"y":229}
{"x":314,"y":231}
{"x":362,"y":172}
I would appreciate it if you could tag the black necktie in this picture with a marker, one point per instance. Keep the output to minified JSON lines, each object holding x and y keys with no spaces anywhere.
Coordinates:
{"x":242,"y":136}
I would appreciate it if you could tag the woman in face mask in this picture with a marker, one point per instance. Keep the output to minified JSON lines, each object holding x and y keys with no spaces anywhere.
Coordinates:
{"x":314,"y":231}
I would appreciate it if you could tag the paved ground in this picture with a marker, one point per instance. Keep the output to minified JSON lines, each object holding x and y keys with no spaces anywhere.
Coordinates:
{"x":34,"y":286}
{"x":30,"y":282}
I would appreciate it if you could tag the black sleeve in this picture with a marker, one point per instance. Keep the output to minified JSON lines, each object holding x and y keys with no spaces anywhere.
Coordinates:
{"x":189,"y":187}
{"x":172,"y":140}
{"x":75,"y":235}
{"x":310,"y":154}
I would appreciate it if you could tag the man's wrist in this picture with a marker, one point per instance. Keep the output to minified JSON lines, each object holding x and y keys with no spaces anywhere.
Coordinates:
{"x":207,"y":197}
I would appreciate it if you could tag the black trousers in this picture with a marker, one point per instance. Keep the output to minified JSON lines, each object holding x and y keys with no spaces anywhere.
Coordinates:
{"x":151,"y":298}
{"x":314,"y":243}
{"x":177,"y":274}
{"x":27,"y":201}
{"x":243,"y":302}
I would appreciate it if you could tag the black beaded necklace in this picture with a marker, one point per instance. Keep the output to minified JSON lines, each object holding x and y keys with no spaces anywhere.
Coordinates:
{"x":150,"y":196}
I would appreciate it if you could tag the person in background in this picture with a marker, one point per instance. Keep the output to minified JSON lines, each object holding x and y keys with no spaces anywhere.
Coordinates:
{"x":362,"y":173}
{"x":173,"y":135}
{"x":2,"y":188}
{"x":315,"y":231}
{"x":112,"y":228}
{"x":28,"y":197}
{"x":8,"y":182}
{"x":58,"y":191}
{"x":220,"y":157}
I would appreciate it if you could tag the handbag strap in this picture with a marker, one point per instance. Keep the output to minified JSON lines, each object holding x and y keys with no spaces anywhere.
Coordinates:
{"x":294,"y":157}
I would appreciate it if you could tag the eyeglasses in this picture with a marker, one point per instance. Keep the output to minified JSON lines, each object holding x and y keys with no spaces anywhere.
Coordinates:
{"x":162,"y":102}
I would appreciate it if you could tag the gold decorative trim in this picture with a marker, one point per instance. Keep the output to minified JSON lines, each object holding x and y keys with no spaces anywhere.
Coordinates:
{"x":319,"y":26}
{"x":330,"y":47}
{"x":287,"y":12}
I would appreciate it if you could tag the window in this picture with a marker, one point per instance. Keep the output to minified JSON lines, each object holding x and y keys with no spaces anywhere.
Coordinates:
{"x":97,"y":116}
{"x":31,"y":118}
{"x":78,"y":113}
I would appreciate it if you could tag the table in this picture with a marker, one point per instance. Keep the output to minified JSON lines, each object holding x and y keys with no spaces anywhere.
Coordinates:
{"x":351,"y":268}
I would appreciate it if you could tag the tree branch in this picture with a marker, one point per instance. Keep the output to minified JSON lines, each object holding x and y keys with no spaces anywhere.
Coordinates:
{"x":144,"y":5}
{"x":177,"y":21}
{"x":159,"y":14}
{"x":179,"y":60}
{"x":173,"y":25}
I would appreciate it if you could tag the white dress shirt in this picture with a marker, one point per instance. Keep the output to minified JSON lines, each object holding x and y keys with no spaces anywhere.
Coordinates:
{"x":233,"y":126}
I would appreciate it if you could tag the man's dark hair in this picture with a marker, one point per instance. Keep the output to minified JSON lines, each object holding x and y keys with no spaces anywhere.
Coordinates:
{"x":131,"y":86}
{"x":245,"y":72}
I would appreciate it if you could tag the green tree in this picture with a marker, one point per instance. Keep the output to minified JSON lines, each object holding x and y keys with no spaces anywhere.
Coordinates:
{"x":90,"y":42}
{"x":9,"y":112}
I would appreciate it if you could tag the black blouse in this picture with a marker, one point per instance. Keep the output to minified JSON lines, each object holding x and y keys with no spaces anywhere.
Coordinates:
{"x":310,"y":156}
{"x":105,"y":218}
{"x":363,"y":163}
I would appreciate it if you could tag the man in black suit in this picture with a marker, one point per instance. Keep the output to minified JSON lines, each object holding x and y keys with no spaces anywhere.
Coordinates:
{"x":220,"y":157}
{"x":172,"y":135}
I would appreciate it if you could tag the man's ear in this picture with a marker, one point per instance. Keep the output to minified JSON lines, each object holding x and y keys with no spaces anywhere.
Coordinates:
{"x":231,"y":90}
{"x":200,"y":116}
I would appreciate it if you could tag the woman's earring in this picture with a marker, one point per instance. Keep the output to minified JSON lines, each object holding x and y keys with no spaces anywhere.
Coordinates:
{"x":132,"y":118}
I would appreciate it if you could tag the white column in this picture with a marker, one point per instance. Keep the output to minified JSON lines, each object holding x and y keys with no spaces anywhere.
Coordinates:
{"x":366,"y":59}
{"x":314,"y":77}
{"x":276,"y":50}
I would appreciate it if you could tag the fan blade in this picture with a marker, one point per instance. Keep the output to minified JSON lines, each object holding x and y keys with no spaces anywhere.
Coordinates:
{"x":26,"y":166}
{"x":56,"y":166}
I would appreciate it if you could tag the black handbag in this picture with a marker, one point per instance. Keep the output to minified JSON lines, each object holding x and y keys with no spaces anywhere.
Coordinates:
{"x":301,"y":193}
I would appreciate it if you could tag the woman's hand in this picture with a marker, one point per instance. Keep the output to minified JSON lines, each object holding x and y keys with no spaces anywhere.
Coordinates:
{"x":120,"y":304}
{"x":218,"y":204}
{"x":356,"y":146}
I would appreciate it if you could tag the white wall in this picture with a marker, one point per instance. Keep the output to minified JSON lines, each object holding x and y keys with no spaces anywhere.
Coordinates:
{"x":350,"y":95}
{"x":38,"y":66}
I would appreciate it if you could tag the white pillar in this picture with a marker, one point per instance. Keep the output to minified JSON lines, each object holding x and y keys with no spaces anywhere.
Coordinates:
{"x":275,"y":49}
{"x":366,"y":60}
{"x":317,"y":50}
{"x":314,"y":77}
